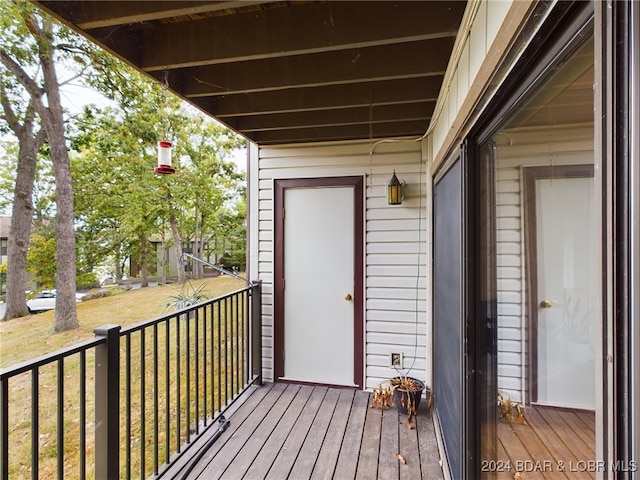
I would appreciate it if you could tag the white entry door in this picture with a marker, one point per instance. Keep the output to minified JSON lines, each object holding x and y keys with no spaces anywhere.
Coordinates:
{"x":568,"y":319}
{"x":319,"y":285}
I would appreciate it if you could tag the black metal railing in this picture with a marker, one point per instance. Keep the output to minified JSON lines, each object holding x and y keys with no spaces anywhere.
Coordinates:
{"x":130,"y":401}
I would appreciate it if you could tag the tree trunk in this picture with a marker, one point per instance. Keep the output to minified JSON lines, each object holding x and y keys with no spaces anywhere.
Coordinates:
{"x":163,"y":262}
{"x":21,"y":220}
{"x":177,"y":244}
{"x":22,"y":214}
{"x":197,"y":266}
{"x":144,"y":261}
{"x":53,"y":120}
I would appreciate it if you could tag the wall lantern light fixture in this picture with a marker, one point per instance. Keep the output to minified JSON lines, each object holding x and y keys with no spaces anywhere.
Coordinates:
{"x":395,"y":190}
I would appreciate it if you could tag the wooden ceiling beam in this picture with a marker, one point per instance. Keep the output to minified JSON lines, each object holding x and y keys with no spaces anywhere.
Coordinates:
{"x":88,"y":15}
{"x":335,"y":133}
{"x":340,"y":116}
{"x":305,"y":29}
{"x":322,"y":98}
{"x":419,"y":59}
{"x":286,"y":71}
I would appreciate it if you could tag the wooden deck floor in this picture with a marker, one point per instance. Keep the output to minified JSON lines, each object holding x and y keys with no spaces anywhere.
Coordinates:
{"x":301,"y":432}
{"x":556,"y":443}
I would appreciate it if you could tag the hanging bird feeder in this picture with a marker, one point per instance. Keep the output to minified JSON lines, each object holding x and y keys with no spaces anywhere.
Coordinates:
{"x":164,"y":159}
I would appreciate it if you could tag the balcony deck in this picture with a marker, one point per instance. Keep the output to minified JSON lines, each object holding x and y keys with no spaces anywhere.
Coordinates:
{"x":294,"y":431}
{"x":555,"y":443}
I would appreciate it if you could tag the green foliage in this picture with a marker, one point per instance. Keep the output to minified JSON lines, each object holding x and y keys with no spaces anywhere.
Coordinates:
{"x":41,"y":260}
{"x":3,"y":278}
{"x":182,"y":299}
{"x":87,"y":280}
{"x":118,"y":200}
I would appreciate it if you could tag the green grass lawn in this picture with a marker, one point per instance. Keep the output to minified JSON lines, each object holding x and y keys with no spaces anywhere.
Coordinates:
{"x":25,"y":338}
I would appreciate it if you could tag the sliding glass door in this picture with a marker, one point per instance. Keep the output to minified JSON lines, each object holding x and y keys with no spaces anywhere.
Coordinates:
{"x":540,"y":265}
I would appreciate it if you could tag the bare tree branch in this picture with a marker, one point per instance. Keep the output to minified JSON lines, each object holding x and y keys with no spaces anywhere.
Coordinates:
{"x":27,"y":82}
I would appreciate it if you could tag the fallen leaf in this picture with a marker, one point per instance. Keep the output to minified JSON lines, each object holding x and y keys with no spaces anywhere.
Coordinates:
{"x":401,"y":459}
{"x":517,"y":476}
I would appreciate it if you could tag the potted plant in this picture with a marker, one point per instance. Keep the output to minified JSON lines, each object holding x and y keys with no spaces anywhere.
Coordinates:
{"x":406,"y":393}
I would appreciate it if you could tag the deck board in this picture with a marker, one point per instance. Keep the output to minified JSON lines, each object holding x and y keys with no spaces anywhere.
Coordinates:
{"x":409,"y":448}
{"x":370,"y":447}
{"x":236,"y":442}
{"x":289,"y":452}
{"x":348,"y":458}
{"x":299,"y":431}
{"x":430,"y":464}
{"x":389,"y":445}
{"x":242,"y":462}
{"x":328,"y":456}
{"x":262,"y":463}
{"x":555,"y":438}
{"x":303,"y":466}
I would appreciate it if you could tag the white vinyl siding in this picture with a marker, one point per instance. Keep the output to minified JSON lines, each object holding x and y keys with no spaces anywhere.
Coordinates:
{"x":525,"y":148}
{"x":510,"y":283}
{"x":487,"y":30}
{"x":395,"y":251}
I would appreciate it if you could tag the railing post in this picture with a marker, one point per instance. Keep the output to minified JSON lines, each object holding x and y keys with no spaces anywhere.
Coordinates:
{"x":107,"y":446}
{"x":4,"y":428}
{"x":256,"y":330}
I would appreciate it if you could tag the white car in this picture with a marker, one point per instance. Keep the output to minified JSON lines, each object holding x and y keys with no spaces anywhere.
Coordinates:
{"x":46,"y":300}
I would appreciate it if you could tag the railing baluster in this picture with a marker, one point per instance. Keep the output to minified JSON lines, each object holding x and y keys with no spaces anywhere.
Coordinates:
{"x":128,"y":403}
{"x":234,"y":350}
{"x":35,"y":422}
{"x":155,"y":398}
{"x":243,"y":337}
{"x":213,"y":361}
{"x":188,"y":374}
{"x":167,"y":387}
{"x":219,"y":357}
{"x":236,"y":321}
{"x":143,"y":422}
{"x":178,"y":382}
{"x":83,"y":414}
{"x":197,"y":379}
{"x":4,"y":428}
{"x":205,"y":360}
{"x":226,"y":350}
{"x":61,"y":418}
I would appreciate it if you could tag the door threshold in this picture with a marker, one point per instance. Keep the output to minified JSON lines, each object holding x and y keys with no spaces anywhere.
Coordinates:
{"x":318,"y":383}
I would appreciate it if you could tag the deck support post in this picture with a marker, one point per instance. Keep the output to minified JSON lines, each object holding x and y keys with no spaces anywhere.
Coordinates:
{"x":256,"y":331}
{"x":107,"y":382}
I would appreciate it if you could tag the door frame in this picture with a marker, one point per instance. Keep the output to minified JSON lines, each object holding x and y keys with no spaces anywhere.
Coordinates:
{"x":279,"y":188}
{"x":530,"y":176}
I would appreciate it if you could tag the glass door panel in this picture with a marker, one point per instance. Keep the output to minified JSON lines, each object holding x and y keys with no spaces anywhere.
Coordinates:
{"x":542,"y":237}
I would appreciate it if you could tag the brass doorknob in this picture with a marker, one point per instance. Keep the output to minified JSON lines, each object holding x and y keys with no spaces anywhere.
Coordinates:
{"x":347,"y":297}
{"x":546,"y":304}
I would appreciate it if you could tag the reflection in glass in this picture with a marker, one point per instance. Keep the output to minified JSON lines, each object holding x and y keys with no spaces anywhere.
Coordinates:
{"x":542,"y":231}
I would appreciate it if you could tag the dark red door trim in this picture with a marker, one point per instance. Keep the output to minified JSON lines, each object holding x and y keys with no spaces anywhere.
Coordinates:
{"x":279,"y":188}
